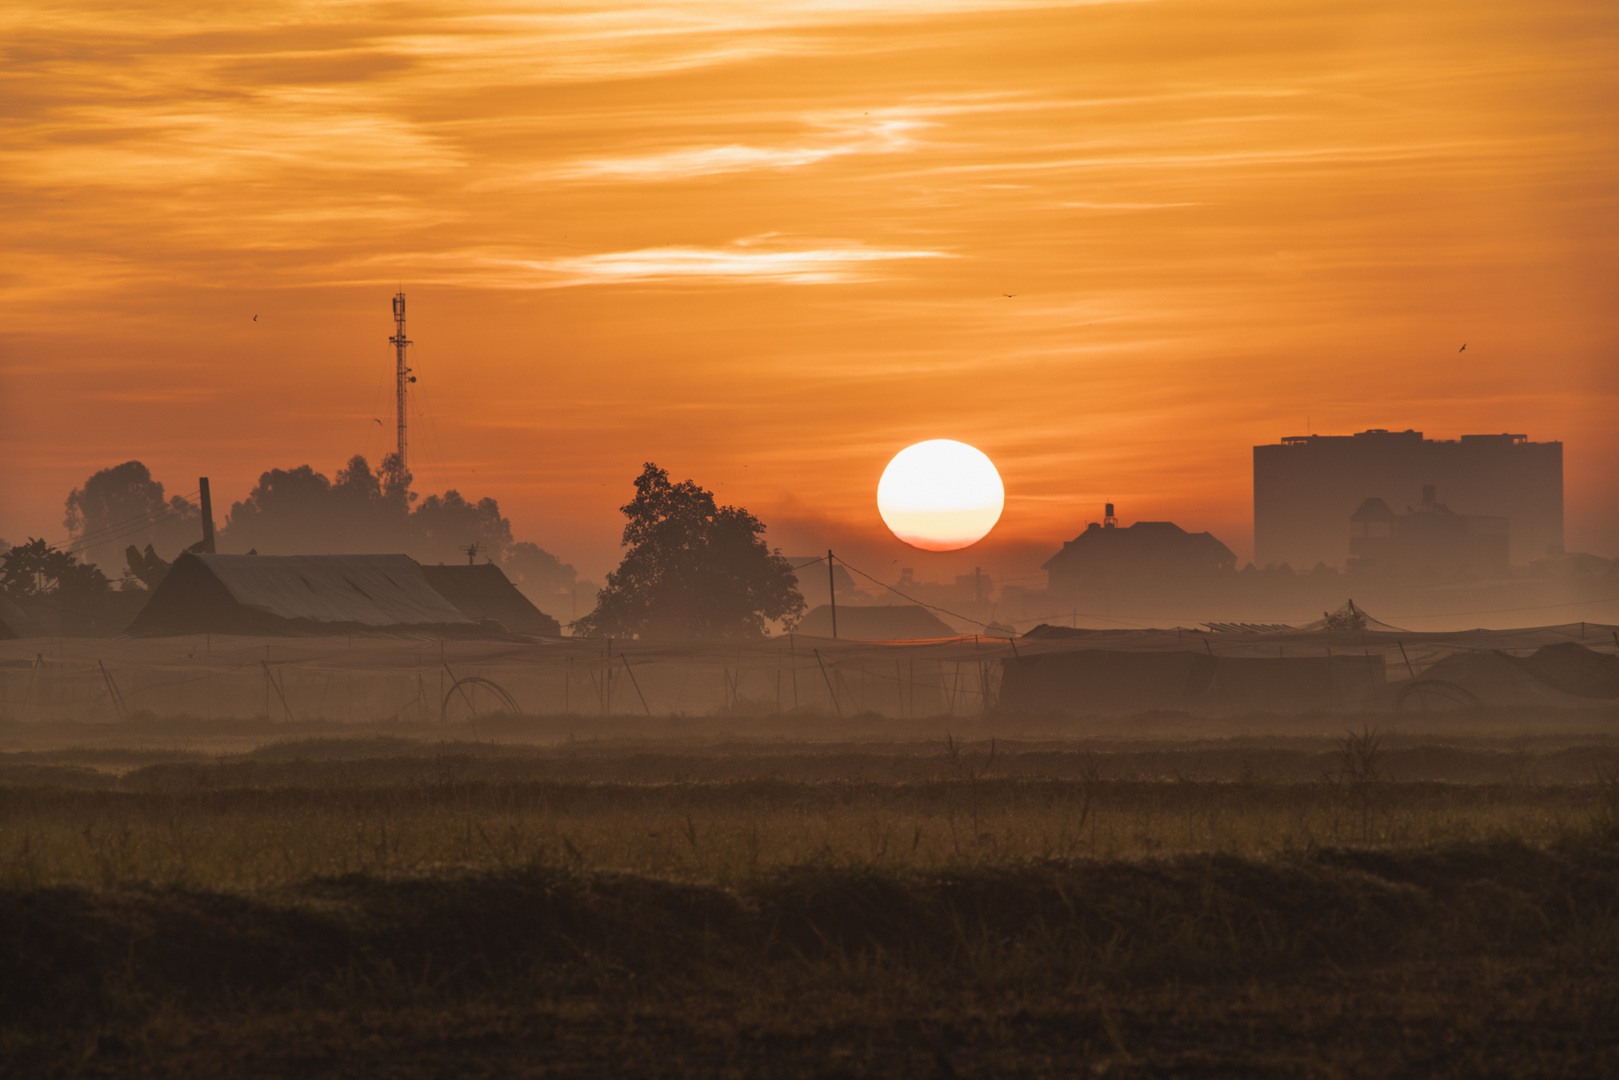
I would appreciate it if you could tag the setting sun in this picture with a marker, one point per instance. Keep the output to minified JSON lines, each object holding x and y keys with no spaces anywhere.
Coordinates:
{"x":940,"y":495}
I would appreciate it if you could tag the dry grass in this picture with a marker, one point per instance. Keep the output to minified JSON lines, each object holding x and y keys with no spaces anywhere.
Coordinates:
{"x":1338,"y":904}
{"x":726,"y":812}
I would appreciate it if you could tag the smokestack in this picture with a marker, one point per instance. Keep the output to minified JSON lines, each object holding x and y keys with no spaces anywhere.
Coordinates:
{"x":206,"y":499}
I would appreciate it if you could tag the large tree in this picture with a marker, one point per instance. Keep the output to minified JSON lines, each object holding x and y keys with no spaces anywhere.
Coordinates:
{"x":299,"y":510}
{"x":123,"y":505}
{"x":289,"y":511}
{"x":694,"y":569}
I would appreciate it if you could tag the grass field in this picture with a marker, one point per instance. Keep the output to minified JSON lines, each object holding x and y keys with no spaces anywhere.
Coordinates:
{"x":673,"y":897}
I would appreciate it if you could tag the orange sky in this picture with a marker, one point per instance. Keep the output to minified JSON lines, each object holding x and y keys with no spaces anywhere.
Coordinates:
{"x":766,"y":246}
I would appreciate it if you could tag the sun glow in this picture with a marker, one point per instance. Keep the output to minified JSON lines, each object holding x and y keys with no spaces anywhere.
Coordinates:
{"x":940,"y":495}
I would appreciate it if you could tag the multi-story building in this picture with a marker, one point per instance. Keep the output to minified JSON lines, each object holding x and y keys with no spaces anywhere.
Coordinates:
{"x":1307,"y":486}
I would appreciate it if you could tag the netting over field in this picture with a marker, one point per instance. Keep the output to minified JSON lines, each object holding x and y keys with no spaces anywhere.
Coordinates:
{"x":362,"y":678}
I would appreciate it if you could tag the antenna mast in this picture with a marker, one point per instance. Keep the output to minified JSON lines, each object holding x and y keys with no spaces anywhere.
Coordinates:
{"x":402,"y":375}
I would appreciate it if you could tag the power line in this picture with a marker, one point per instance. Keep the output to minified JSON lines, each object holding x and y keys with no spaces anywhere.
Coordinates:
{"x":1427,"y":615}
{"x":110,"y":533}
{"x":912,"y":599}
{"x":144,"y":515}
{"x":129,"y":527}
{"x":1497,"y":611}
{"x":436,"y":470}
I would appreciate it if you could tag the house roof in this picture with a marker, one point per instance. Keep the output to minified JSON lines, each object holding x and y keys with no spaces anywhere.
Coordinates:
{"x":887,"y":622}
{"x":812,"y":576}
{"x":483,"y":592}
{"x":294,"y":593}
{"x":14,"y":622}
{"x":1156,"y":539}
{"x":1373,"y":509}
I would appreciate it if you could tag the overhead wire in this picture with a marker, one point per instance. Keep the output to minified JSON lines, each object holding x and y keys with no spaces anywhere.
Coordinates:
{"x":377,"y":433}
{"x":1497,"y":611}
{"x":1147,"y":623}
{"x":129,"y":527}
{"x":431,"y":443}
{"x":135,"y":519}
{"x":934,"y":607}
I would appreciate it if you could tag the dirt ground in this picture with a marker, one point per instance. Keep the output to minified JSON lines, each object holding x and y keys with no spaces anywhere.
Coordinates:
{"x":688,"y":897}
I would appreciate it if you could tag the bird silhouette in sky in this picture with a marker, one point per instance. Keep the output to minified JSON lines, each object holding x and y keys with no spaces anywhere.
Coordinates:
{"x":1009,"y":295}
{"x":1463,"y":348}
{"x":374,"y":420}
{"x":255,"y":318}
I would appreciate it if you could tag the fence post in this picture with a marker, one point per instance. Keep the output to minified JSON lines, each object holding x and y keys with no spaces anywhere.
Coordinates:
{"x":635,"y":683}
{"x":112,"y":692}
{"x":828,"y":679}
{"x":270,"y":680}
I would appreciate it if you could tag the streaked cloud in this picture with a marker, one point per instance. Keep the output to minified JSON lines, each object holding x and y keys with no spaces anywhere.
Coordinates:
{"x":1112,"y":243}
{"x":767,"y":260}
{"x":800,"y":266}
{"x":882,"y":135}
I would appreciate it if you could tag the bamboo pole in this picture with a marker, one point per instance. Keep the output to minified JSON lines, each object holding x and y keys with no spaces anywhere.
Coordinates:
{"x":829,"y":687}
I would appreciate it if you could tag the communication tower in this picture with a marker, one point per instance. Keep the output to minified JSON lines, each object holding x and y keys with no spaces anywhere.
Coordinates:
{"x":402,"y":375}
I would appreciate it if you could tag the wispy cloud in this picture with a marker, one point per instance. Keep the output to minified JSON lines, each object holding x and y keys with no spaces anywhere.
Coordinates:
{"x":1126,"y":205}
{"x":883,"y":134}
{"x":799,"y":266}
{"x":749,"y":260}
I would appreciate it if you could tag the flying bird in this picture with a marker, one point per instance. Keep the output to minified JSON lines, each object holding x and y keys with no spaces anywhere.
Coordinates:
{"x":1009,"y":295}
{"x":374,"y":420}
{"x":1463,"y":348}
{"x":255,"y":318}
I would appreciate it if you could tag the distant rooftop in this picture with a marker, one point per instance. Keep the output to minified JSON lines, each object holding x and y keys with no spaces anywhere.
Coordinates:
{"x":1384,"y":435}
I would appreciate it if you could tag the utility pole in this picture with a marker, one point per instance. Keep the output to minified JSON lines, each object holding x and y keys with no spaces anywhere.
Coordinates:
{"x":832,"y":592}
{"x":402,"y":375}
{"x":207,"y":501}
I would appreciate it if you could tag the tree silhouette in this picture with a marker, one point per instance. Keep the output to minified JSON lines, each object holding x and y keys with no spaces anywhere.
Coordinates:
{"x":124,"y":505}
{"x":298,"y":511}
{"x":445,"y":525}
{"x":545,"y":579}
{"x":288,"y":511}
{"x":694,"y":569}
{"x":38,"y":569}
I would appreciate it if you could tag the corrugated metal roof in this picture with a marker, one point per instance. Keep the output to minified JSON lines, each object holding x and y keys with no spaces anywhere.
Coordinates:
{"x":371,"y":590}
{"x":244,"y":593}
{"x":484,"y":592}
{"x":881,"y":622}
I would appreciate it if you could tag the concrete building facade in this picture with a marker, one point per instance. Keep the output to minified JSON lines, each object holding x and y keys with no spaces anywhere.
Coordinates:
{"x":1307,"y":486}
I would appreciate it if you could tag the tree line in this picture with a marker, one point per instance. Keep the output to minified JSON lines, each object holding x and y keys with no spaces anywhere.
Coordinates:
{"x":299,"y":510}
{"x":692,"y":568}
